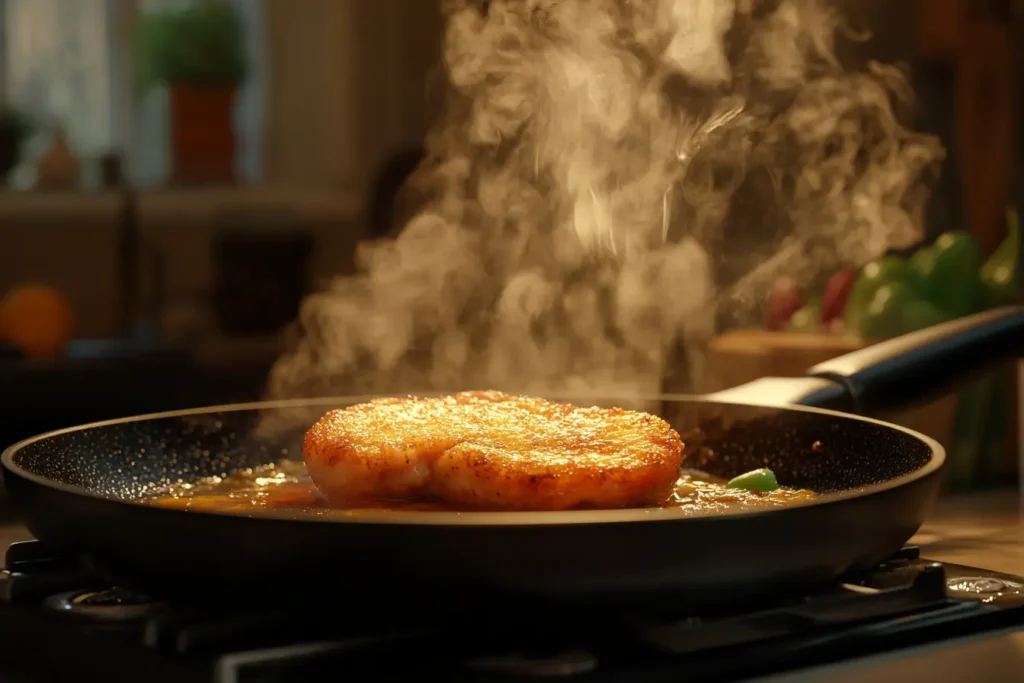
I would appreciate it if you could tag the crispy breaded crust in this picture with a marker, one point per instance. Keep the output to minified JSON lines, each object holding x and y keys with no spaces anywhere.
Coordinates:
{"x":493,"y":450}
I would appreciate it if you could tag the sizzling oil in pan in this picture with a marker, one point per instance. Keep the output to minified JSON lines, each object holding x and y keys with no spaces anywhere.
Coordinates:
{"x":285,"y":487}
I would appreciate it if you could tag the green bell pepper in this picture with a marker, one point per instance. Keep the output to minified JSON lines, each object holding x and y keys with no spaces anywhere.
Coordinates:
{"x":948,"y":272}
{"x":806,"y":320}
{"x":919,"y":314}
{"x":885,"y":314}
{"x":874,"y":275}
{"x":999,"y":275}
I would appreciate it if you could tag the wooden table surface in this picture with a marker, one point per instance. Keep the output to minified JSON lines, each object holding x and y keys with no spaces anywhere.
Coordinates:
{"x":980,"y":530}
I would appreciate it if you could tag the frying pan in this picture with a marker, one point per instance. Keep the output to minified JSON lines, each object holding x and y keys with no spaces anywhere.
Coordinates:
{"x":75,"y":490}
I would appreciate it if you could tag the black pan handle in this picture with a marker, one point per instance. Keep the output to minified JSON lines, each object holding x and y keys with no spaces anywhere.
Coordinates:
{"x":900,"y":373}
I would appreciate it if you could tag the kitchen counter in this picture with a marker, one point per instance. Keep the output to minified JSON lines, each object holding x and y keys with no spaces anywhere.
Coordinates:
{"x":178,"y":233}
{"x":981,"y":530}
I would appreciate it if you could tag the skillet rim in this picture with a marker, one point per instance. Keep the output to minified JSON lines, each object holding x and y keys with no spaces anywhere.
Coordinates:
{"x":503,"y":519}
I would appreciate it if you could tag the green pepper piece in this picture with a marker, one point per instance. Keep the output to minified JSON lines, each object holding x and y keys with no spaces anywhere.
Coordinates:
{"x":999,"y":275}
{"x":884,"y":315}
{"x":872,"y":276}
{"x":950,"y":273}
{"x":762,"y":481}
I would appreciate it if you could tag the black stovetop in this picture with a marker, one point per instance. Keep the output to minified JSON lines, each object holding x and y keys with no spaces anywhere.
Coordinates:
{"x":57,"y":623}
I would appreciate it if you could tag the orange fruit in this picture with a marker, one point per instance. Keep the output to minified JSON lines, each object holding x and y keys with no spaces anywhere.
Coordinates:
{"x":37,"y":319}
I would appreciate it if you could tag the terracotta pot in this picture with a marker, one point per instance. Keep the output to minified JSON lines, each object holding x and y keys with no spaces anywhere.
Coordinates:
{"x":202,"y":134}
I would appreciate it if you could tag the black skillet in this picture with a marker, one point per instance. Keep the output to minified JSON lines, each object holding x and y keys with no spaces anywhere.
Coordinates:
{"x":75,"y":490}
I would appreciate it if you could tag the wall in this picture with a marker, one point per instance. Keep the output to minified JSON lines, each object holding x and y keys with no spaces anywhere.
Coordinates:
{"x":350,"y":86}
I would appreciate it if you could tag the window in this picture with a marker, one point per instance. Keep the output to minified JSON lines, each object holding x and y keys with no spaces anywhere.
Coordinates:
{"x":72,"y":63}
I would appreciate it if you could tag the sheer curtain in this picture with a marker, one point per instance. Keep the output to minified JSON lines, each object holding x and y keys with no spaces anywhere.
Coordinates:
{"x":72,"y":63}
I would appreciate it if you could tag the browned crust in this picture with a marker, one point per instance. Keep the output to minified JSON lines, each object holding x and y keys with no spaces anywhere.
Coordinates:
{"x":493,"y":450}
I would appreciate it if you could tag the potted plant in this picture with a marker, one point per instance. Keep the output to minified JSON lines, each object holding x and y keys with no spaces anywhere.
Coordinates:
{"x":198,"y":53}
{"x":15,"y":128}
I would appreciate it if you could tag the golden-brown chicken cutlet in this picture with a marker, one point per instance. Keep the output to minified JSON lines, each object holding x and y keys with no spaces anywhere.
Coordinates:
{"x":493,"y":450}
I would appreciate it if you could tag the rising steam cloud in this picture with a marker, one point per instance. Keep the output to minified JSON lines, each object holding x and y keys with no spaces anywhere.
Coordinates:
{"x":608,"y":177}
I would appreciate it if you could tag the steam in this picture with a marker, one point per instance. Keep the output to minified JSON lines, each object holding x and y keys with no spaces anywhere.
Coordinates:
{"x":608,"y":177}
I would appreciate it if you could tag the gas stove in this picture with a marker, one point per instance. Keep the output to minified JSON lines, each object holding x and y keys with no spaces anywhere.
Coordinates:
{"x":59,"y":623}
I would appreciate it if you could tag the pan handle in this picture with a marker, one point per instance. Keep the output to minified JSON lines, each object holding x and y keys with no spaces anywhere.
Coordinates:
{"x":913,"y":369}
{"x":899,"y":373}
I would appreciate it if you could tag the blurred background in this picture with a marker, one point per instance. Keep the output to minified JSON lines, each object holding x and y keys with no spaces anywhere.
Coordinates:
{"x":177,"y":178}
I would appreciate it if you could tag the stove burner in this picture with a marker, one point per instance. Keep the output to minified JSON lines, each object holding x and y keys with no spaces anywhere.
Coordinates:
{"x":981,"y":585}
{"x":111,"y":605}
{"x":559,"y":665}
{"x":987,"y":589}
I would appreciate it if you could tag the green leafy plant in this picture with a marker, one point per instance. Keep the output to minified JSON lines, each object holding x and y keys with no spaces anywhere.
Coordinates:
{"x":201,"y":45}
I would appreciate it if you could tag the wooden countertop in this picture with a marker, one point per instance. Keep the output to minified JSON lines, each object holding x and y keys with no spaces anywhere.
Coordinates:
{"x":980,"y":530}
